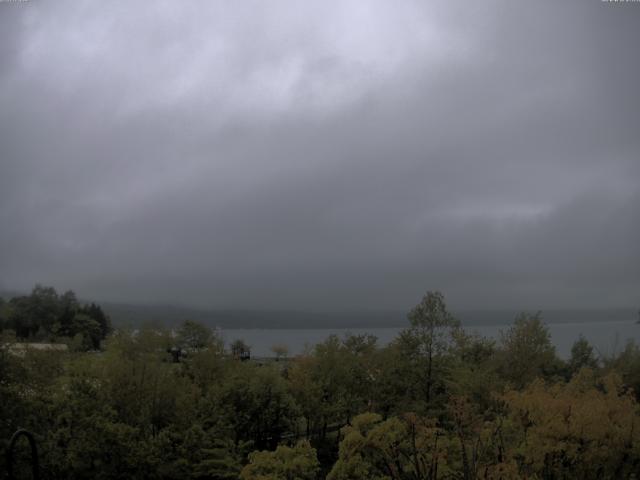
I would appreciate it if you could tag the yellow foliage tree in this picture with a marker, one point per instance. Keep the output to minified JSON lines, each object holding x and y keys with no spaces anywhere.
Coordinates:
{"x":585,"y":429}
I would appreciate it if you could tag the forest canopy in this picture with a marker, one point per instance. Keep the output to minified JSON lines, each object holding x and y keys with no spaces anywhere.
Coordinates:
{"x":436,"y":403}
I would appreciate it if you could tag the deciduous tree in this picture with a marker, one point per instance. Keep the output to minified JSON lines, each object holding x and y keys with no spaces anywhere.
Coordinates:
{"x":285,"y":463}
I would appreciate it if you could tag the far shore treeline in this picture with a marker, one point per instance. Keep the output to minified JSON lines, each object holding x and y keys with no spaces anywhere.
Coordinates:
{"x":435,"y":403}
{"x":46,"y":316}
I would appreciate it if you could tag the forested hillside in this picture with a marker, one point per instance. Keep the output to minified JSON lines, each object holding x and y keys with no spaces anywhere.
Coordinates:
{"x":437,"y":403}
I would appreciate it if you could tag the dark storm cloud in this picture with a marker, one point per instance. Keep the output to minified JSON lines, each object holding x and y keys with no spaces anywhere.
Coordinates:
{"x":340,"y":156}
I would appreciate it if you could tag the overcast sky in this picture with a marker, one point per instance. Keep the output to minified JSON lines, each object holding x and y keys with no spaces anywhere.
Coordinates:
{"x":347,"y":154}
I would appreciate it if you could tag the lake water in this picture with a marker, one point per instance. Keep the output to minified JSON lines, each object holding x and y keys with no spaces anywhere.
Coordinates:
{"x":607,"y":337}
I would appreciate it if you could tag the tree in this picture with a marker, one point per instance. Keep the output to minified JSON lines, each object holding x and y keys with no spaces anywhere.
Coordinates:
{"x":582,"y":356}
{"x":478,"y":444}
{"x":34,"y":314}
{"x":627,"y":365}
{"x":221,"y":461}
{"x":285,"y":463}
{"x":394,"y":381}
{"x":585,"y":429}
{"x":428,"y":338}
{"x":44,"y":314}
{"x":306,"y":391}
{"x":473,"y":373}
{"x":360,"y":345}
{"x":240,"y":350}
{"x":85,"y":438}
{"x":527,"y":351}
{"x":68,"y":309}
{"x":44,"y":307}
{"x":96,"y":312}
{"x":144,"y":391}
{"x":256,"y":403}
{"x":195,"y":453}
{"x":195,"y":336}
{"x":87,"y":330}
{"x":334,"y":383}
{"x":409,"y":447}
{"x":4,"y":310}
{"x":207,"y":368}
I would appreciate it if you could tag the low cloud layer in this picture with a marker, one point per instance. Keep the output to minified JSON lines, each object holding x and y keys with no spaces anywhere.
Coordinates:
{"x":345,"y":155}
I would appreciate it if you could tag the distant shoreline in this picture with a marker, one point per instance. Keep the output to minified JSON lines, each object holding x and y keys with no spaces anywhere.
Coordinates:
{"x":135,"y":316}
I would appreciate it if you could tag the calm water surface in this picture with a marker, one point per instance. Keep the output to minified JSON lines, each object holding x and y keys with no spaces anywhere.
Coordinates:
{"x":606,"y":337}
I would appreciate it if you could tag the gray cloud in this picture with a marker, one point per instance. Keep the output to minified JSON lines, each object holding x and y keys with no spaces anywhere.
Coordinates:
{"x":322,"y":157}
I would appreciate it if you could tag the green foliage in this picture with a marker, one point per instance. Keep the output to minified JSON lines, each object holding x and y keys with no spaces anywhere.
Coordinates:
{"x":473,"y":369}
{"x":585,"y":429}
{"x":424,"y":346}
{"x":4,"y":314}
{"x":206,"y":368}
{"x":195,"y":453}
{"x":484,"y":410}
{"x":627,"y":365}
{"x":222,"y":460}
{"x":195,"y":336}
{"x":582,"y":356}
{"x":240,"y":350}
{"x":46,"y":316}
{"x":335,"y":383}
{"x":432,"y":326}
{"x":256,"y":403}
{"x":87,"y":329}
{"x":285,"y":463}
{"x":95,"y":312}
{"x":527,"y":351}
{"x":397,"y":448}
